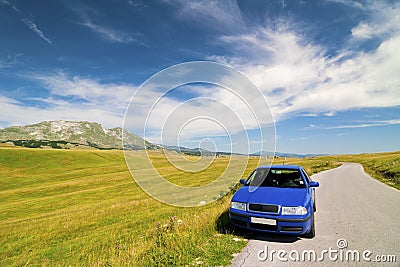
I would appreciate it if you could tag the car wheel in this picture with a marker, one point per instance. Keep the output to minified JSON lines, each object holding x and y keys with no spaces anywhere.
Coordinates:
{"x":315,"y":207}
{"x":311,"y":233}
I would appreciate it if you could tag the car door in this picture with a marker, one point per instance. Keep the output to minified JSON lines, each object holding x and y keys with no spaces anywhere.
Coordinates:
{"x":308,"y":183}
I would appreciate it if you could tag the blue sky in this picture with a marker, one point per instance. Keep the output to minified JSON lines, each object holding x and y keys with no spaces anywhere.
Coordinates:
{"x":329,"y":69}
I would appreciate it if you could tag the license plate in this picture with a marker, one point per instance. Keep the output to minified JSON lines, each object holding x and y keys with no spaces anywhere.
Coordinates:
{"x":263,"y":221}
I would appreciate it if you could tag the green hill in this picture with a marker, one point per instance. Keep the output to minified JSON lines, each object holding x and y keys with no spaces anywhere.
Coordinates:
{"x":69,"y":134}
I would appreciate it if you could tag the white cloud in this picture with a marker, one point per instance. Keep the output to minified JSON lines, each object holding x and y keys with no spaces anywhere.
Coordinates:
{"x":92,"y":91}
{"x":97,"y":21}
{"x":364,"y":125}
{"x":279,"y":62}
{"x":109,"y":34}
{"x":384,"y":20}
{"x":210,"y":111}
{"x":364,"y":31}
{"x":351,"y":3}
{"x":283,"y":4}
{"x":83,"y":98}
{"x":32,"y":25}
{"x":9,"y":60}
{"x":28,"y":22}
{"x":7,"y":3}
{"x":70,"y":98}
{"x":222,"y":15}
{"x":137,"y":4}
{"x":20,"y":114}
{"x":298,"y":76}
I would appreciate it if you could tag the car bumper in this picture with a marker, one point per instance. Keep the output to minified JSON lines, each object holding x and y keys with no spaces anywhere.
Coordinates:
{"x":296,"y":225}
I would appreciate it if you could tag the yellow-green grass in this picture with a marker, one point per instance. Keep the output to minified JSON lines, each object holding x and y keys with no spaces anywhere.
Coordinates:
{"x":193,"y":178}
{"x":82,"y":208}
{"x":384,"y":167}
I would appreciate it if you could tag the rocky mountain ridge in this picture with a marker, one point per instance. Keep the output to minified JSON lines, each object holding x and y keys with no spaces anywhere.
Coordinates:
{"x":67,"y":134}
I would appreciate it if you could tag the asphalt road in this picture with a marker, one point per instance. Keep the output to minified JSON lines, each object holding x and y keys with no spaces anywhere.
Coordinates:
{"x":351,"y":206}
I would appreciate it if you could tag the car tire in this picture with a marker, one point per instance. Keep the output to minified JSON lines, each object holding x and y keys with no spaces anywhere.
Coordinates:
{"x":315,"y":207}
{"x":311,"y":233}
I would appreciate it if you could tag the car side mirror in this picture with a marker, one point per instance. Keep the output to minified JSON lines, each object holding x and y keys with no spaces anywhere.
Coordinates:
{"x":242,"y":181}
{"x":314,"y":184}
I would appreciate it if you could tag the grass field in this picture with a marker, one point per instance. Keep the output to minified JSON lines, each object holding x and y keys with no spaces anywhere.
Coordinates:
{"x":61,"y":207}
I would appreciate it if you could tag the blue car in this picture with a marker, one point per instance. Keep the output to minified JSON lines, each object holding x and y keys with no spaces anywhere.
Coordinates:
{"x":276,"y":199}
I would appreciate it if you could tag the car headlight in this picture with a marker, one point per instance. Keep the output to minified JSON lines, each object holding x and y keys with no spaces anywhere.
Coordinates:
{"x":238,"y":205}
{"x":294,"y":211}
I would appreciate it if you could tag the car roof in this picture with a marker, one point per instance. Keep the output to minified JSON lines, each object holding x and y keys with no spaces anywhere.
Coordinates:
{"x":288,"y":167}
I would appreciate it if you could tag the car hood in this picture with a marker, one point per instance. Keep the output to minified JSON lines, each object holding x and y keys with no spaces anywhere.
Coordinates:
{"x":272,"y":195}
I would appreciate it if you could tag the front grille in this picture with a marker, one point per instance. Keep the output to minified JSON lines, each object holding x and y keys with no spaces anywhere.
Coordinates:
{"x":263,"y":227}
{"x":291,"y":229}
{"x":264,"y":208}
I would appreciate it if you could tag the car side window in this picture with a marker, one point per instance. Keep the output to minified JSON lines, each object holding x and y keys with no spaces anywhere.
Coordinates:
{"x":306,"y":176}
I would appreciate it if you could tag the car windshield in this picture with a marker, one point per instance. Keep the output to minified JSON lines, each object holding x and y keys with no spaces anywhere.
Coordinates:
{"x":284,"y":178}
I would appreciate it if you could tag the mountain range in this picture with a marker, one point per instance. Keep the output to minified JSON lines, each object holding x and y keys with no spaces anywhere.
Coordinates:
{"x":83,"y":134}
{"x":286,"y":155}
{"x":68,"y":134}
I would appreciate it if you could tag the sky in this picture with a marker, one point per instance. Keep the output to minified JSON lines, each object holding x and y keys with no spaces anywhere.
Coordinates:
{"x":328,"y":70}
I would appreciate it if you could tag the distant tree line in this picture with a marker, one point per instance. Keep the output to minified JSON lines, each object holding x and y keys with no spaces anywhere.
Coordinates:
{"x":49,"y":143}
